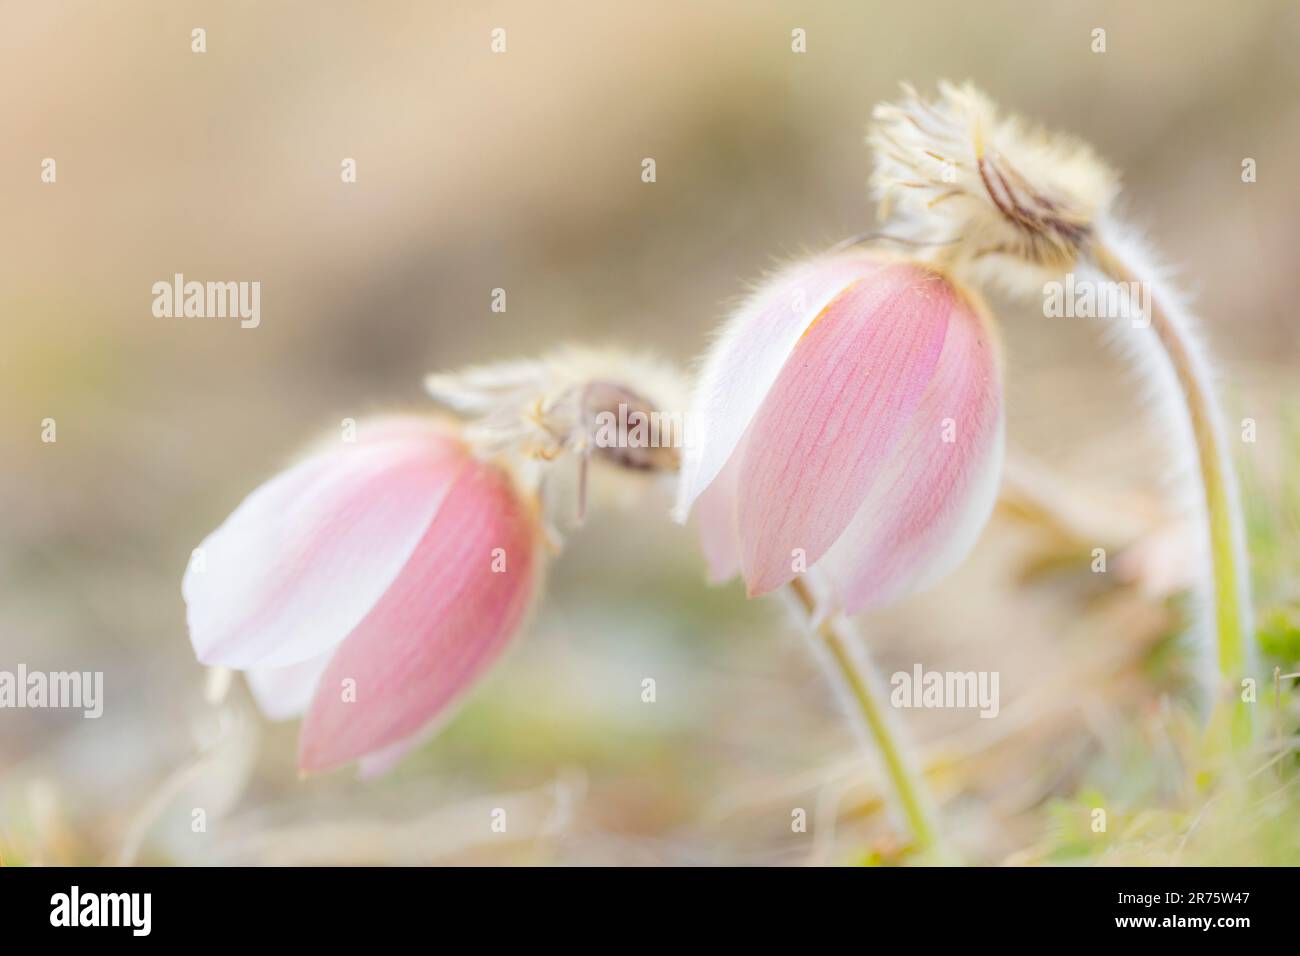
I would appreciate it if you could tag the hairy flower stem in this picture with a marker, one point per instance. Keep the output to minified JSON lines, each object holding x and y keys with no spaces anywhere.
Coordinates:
{"x":1231,"y":719}
{"x":853,"y":672}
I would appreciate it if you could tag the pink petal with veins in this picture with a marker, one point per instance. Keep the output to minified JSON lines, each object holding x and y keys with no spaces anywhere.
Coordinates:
{"x":443,"y":622}
{"x":926,"y":510}
{"x":825,"y":432}
{"x":749,"y":355}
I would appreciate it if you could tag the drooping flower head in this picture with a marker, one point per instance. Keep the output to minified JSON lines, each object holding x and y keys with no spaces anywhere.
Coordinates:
{"x":369,"y":586}
{"x":850,"y":417}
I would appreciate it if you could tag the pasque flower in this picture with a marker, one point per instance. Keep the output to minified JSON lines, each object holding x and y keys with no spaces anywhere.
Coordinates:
{"x":368,"y":586}
{"x":371,"y":585}
{"x":849,"y":416}
{"x":1002,"y":203}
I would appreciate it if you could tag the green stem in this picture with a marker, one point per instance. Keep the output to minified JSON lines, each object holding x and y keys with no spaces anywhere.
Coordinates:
{"x":854,"y":672}
{"x":1231,"y":717}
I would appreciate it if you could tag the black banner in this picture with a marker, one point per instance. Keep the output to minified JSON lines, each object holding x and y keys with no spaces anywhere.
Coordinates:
{"x":223,"y":905}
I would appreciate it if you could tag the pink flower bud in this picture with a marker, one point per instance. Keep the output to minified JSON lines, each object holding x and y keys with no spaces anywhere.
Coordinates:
{"x":368,"y":586}
{"x":849,"y":416}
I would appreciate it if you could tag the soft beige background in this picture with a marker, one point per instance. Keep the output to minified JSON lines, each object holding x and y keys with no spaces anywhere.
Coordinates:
{"x":522,"y":171}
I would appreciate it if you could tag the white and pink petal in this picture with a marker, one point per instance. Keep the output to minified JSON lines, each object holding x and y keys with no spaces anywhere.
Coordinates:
{"x":744,"y":362}
{"x":305,"y":557}
{"x":283,"y":693}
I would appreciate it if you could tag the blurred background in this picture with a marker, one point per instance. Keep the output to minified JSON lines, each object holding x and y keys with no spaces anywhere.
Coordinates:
{"x":522,"y":171}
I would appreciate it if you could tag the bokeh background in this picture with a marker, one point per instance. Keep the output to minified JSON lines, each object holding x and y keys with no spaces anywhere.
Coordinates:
{"x":522,"y":171}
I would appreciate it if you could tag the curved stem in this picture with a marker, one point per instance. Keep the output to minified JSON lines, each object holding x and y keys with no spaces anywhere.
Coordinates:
{"x":1226,"y":525}
{"x":853,"y":672}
